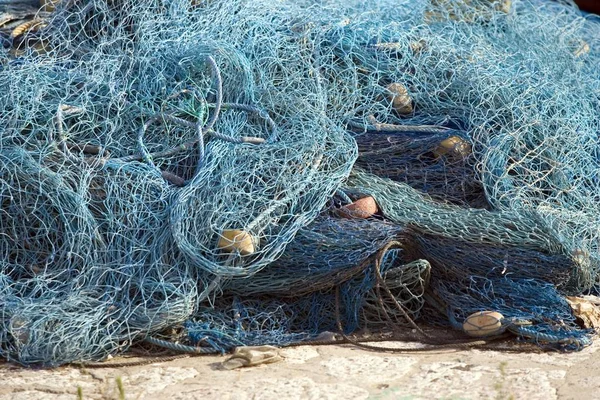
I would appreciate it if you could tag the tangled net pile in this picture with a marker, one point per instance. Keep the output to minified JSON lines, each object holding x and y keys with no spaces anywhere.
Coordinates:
{"x":181,"y":172}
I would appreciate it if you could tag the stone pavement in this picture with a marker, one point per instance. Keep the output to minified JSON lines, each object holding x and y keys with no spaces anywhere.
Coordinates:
{"x":327,"y":372}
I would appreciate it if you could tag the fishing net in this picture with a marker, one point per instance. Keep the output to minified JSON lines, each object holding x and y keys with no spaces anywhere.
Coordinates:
{"x":324,"y":254}
{"x":439,"y":164}
{"x":282,"y":320}
{"x":189,"y":164}
{"x":82,"y":272}
{"x":455,"y":259}
{"x":535,"y":309}
{"x":407,"y":206}
{"x":483,"y":267}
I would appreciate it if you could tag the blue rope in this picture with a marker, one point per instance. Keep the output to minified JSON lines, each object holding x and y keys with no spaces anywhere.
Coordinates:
{"x":181,"y":348}
{"x":564,"y":339}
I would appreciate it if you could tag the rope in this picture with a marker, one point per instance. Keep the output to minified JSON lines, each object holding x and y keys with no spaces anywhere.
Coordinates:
{"x":126,"y":364}
{"x":427,"y":339}
{"x":180,"y":347}
{"x":380,"y":127}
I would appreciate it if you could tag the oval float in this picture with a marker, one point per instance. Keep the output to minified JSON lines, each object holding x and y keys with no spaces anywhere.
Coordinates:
{"x":483,"y":323}
{"x":453,"y":146}
{"x":236,"y":239}
{"x":398,"y":96}
{"x":361,"y":209}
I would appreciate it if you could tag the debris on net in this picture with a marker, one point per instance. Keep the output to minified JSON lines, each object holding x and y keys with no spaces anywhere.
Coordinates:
{"x":239,"y":168}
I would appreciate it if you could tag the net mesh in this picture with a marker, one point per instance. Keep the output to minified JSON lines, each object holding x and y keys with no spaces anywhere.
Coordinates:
{"x":186,"y":165}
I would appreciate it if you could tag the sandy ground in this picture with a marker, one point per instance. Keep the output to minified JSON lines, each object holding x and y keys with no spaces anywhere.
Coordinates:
{"x":327,"y":372}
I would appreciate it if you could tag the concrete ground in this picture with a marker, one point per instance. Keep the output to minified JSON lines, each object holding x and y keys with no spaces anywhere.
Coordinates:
{"x":327,"y":372}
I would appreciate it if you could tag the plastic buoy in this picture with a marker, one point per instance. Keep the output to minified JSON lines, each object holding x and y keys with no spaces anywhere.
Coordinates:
{"x":582,"y":49}
{"x":483,"y":323}
{"x":49,"y":5}
{"x":581,"y":256}
{"x":360,"y":209}
{"x":398,"y":96}
{"x":453,"y":146}
{"x":236,"y":240}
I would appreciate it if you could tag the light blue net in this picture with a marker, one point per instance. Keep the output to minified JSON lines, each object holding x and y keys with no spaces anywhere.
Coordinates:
{"x":165,"y":163}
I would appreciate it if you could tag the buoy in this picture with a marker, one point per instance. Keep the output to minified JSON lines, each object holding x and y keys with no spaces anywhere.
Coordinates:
{"x":235,"y":239}
{"x":453,"y":146}
{"x":504,"y":6}
{"x":362,"y":208}
{"x":582,"y":49}
{"x":49,"y":5}
{"x":398,"y":96}
{"x":483,"y":323}
{"x":581,"y":256}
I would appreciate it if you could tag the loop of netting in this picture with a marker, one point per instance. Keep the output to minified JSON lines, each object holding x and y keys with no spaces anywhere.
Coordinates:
{"x":279,"y":319}
{"x":439,"y":164}
{"x":192,"y":170}
{"x":530,"y":306}
{"x":323,"y":255}
{"x":406,"y":206}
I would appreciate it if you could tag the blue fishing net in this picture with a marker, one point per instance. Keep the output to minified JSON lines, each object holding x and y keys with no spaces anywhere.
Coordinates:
{"x":439,"y":164}
{"x":281,"y":320}
{"x":182,"y":165}
{"x":533,"y":308}
{"x":324,"y":254}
